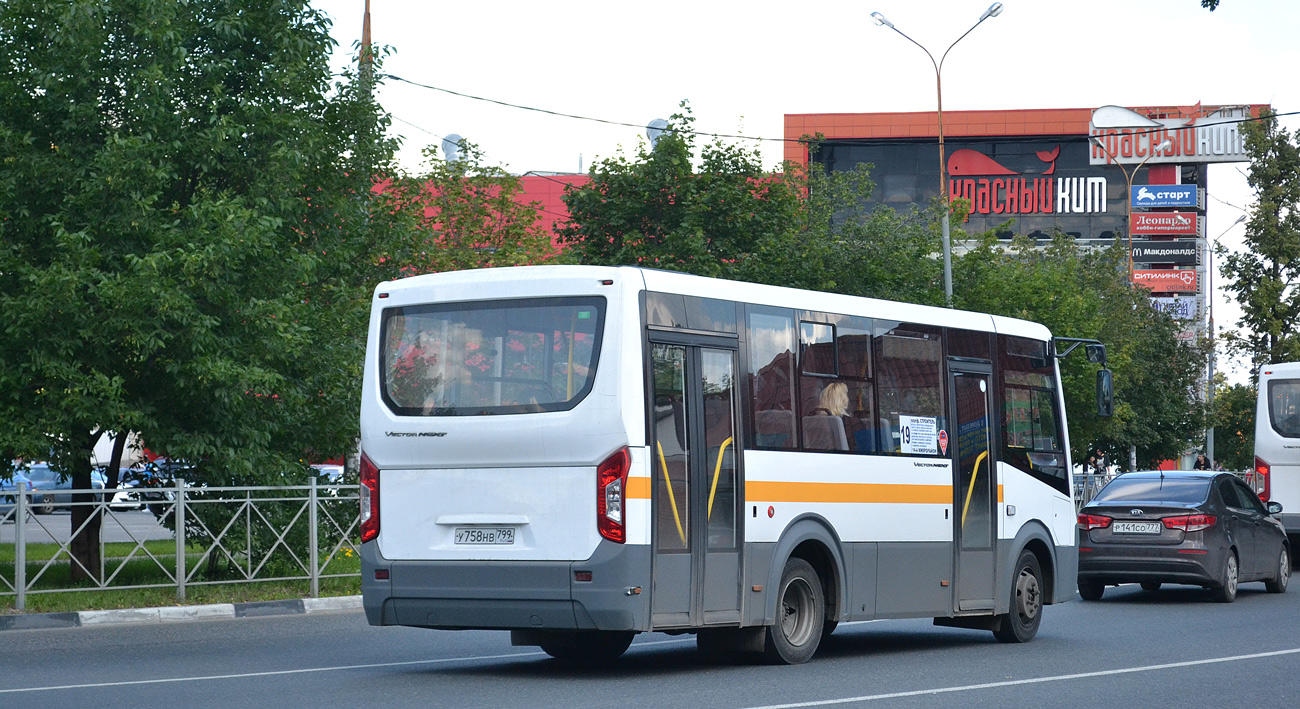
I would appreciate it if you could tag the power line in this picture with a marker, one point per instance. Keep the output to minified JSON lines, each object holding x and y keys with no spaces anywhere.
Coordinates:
{"x":578,"y":117}
{"x":849,"y":141}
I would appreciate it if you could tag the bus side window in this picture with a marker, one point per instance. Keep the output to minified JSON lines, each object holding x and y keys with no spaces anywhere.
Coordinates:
{"x":771,"y":338}
{"x":909,"y":387}
{"x":1032,"y":435}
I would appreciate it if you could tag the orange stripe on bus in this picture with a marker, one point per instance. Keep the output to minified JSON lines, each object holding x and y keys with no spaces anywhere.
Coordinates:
{"x":639,"y":489}
{"x":846,"y":492}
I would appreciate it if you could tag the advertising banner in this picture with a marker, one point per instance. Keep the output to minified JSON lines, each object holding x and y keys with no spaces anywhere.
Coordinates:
{"x":1181,"y":252}
{"x":1202,"y":134}
{"x":1182,"y":281}
{"x":1149,"y":196}
{"x":1165,"y":223}
{"x":1179,"y":307}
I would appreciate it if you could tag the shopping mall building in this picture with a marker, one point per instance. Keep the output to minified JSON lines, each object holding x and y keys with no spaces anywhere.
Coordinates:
{"x":1036,"y":172}
{"x":1040,"y":171}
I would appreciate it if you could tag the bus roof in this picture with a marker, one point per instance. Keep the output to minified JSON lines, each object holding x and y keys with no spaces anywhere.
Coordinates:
{"x":1281,"y":369}
{"x":759,"y":294}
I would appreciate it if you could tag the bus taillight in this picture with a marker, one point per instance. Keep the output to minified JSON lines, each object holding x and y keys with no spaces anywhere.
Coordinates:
{"x":611,"y":486}
{"x":369,"y":499}
{"x":1261,"y":479}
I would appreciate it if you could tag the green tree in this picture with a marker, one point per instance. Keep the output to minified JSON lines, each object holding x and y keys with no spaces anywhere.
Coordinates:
{"x":1264,"y":277}
{"x":467,"y":214}
{"x":1234,"y":426}
{"x":187,"y":235}
{"x":874,"y":253}
{"x":654,"y":209}
{"x":731,"y":218}
{"x":1083,"y":293}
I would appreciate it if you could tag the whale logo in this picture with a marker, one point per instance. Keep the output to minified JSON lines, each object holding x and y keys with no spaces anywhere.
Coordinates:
{"x":966,"y":162}
{"x":972,"y":162}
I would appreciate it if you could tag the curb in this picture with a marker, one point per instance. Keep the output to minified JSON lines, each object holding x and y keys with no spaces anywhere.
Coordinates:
{"x":177,"y":614}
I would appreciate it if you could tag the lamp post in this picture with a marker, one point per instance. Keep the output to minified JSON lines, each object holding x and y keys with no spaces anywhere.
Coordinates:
{"x":1128,"y":191}
{"x":994,"y":10}
{"x":1209,"y":299}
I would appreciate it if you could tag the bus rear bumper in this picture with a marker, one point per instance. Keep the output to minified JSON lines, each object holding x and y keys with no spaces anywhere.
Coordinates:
{"x":518,"y":595}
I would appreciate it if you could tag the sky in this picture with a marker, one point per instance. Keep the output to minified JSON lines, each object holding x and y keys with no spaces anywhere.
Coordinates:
{"x":743,"y":66}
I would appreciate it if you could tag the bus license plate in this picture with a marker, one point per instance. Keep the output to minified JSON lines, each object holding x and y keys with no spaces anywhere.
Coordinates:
{"x":485,"y":535}
{"x":1137,"y":527}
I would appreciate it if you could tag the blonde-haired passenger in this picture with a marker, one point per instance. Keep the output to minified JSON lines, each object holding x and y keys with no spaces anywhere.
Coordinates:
{"x":834,"y":399}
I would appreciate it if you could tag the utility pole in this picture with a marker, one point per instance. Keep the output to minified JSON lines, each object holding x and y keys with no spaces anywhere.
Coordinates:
{"x":366,"y":58}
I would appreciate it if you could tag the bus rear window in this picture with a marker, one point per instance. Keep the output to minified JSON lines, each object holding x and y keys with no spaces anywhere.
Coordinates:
{"x":493,"y":357}
{"x":1284,"y":407}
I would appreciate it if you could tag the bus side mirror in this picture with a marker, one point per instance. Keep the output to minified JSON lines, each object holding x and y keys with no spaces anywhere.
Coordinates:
{"x":1105,"y":393}
{"x":1095,"y":354}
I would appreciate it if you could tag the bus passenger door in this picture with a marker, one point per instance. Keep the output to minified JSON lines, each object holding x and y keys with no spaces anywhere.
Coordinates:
{"x":696,"y":492}
{"x":974,"y":486}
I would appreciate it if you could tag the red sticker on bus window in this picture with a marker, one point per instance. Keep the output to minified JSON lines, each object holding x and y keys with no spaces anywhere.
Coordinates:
{"x":943,"y":442}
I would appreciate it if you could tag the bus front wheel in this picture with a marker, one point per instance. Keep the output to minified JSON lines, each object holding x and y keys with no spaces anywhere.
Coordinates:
{"x":800,"y":615}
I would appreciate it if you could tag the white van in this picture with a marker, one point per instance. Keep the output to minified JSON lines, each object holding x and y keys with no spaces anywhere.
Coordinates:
{"x":1277,"y":441}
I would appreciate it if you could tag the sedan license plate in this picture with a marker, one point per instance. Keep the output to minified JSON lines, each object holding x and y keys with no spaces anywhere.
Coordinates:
{"x":1136,"y":527}
{"x":485,"y":535}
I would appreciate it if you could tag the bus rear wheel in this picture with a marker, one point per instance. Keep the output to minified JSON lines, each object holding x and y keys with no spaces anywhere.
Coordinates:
{"x":800,"y":615}
{"x":592,"y":646}
{"x":1020,"y":624}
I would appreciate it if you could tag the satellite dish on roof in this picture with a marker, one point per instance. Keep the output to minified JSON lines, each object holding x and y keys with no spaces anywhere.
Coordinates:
{"x":654,"y":129}
{"x":451,"y":147}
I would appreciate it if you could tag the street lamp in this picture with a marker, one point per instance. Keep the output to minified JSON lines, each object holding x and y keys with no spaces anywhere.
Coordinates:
{"x":994,"y":10}
{"x":1128,"y":191}
{"x":1209,"y":298}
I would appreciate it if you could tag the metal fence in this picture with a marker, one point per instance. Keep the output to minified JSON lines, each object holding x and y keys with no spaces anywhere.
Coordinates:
{"x":1086,"y":486}
{"x":217,"y":535}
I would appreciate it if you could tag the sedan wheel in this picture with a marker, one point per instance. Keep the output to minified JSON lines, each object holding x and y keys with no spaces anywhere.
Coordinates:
{"x":45,"y":506}
{"x":1091,"y":591}
{"x":1278,"y":584}
{"x":1227,"y":590}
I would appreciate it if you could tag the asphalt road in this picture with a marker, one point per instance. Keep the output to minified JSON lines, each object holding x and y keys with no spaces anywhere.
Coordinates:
{"x":1132,"y":649}
{"x":120,"y":526}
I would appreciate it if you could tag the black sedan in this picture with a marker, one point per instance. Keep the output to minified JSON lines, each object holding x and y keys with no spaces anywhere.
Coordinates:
{"x":1189,"y":527}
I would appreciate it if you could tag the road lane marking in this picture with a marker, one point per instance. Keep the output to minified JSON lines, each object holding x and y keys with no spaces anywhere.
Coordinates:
{"x":306,"y":670}
{"x":1036,"y":680}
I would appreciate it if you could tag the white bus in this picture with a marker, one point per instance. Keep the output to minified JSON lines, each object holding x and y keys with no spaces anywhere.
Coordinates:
{"x":1277,"y":441}
{"x":578,"y":454}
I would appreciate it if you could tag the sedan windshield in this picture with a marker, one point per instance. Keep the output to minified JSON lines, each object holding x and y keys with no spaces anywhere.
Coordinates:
{"x":1144,"y":489}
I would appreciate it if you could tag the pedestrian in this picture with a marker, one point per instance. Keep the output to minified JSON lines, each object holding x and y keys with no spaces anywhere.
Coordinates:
{"x":1201,"y":462}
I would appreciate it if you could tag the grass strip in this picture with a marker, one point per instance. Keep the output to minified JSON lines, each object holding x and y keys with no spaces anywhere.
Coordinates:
{"x":195,"y":595}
